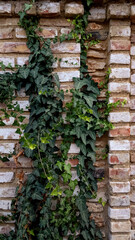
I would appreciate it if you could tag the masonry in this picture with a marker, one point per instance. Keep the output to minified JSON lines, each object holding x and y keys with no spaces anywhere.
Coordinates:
{"x":113,"y":24}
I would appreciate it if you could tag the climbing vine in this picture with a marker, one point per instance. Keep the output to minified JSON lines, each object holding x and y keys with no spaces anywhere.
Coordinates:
{"x":51,"y":204}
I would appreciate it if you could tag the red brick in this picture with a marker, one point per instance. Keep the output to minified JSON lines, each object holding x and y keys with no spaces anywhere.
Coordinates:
{"x":119,"y":45}
{"x":119,"y":158}
{"x":73,"y":162}
{"x":66,"y":48}
{"x":119,"y":173}
{"x":121,"y":99}
{"x":13,"y":47}
{"x":121,"y":132}
{"x":6,"y":33}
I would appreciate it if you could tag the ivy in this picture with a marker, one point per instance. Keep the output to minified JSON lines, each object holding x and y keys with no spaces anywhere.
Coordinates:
{"x":51,"y":204}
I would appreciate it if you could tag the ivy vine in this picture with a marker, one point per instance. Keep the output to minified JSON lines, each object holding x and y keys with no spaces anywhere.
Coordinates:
{"x":51,"y":204}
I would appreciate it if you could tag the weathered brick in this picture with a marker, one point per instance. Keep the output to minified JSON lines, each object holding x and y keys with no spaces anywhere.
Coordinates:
{"x":117,"y":201}
{"x":100,"y":194}
{"x":96,"y":54}
{"x":94,"y":26}
{"x":65,"y":30}
{"x":119,"y":132}
{"x":98,"y":218}
{"x":9,"y":121}
{"x":133,"y":11}
{"x":133,"y":157}
{"x":74,"y":148}
{"x":133,"y":38}
{"x":133,"y":78}
{"x":132,"y":104}
{"x":132,"y":197}
{"x":5,"y":229}
{"x":132,"y":130}
{"x":48,"y":32}
{"x":19,"y":6}
{"x":70,"y":62}
{"x":73,"y":9}
{"x":6,"y":192}
{"x":120,"y":187}
{"x":119,"y":87}
{"x":132,"y":207}
{"x":132,"y":170}
{"x":23,"y":104}
{"x":132,"y":145}
{"x":119,"y":173}
{"x":6,"y":33}
{"x":5,"y":8}
{"x":132,"y":116}
{"x":119,"y":117}
{"x":48,"y":9}
{"x":124,"y":226}
{"x":119,"y":213}
{"x":5,"y":204}
{"x":118,"y":158}
{"x":6,"y":177}
{"x":59,"y":22}
{"x":119,"y":237}
{"x":94,"y":207}
{"x":96,"y":64}
{"x":7,"y":148}
{"x":118,"y":11}
{"x":132,"y":235}
{"x":13,"y":47}
{"x":120,"y":73}
{"x":66,"y":48}
{"x":22,"y":60}
{"x":118,"y":145}
{"x":133,"y":64}
{"x":68,"y":76}
{"x":132,"y":89}
{"x":119,"y":45}
{"x":5,"y":21}
{"x":119,"y":22}
{"x":8,"y":60}
{"x":20,"y":33}
{"x":120,"y":31}
{"x":132,"y":50}
{"x":121,"y":99}
{"x":99,"y":46}
{"x":8,"y":133}
{"x":119,"y":58}
{"x":97,"y":14}
{"x":133,"y":183}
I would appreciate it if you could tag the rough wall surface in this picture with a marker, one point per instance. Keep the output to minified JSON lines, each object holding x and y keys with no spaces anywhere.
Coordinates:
{"x":113,"y":24}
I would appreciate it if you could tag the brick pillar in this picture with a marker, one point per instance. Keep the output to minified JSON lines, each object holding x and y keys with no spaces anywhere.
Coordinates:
{"x":119,"y":137}
{"x":132,"y":109}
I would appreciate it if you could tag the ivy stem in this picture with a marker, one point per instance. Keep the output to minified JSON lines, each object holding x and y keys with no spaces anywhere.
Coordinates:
{"x":40,"y":157}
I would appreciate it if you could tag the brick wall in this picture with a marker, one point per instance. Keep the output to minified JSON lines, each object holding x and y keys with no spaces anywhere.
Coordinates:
{"x":113,"y":24}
